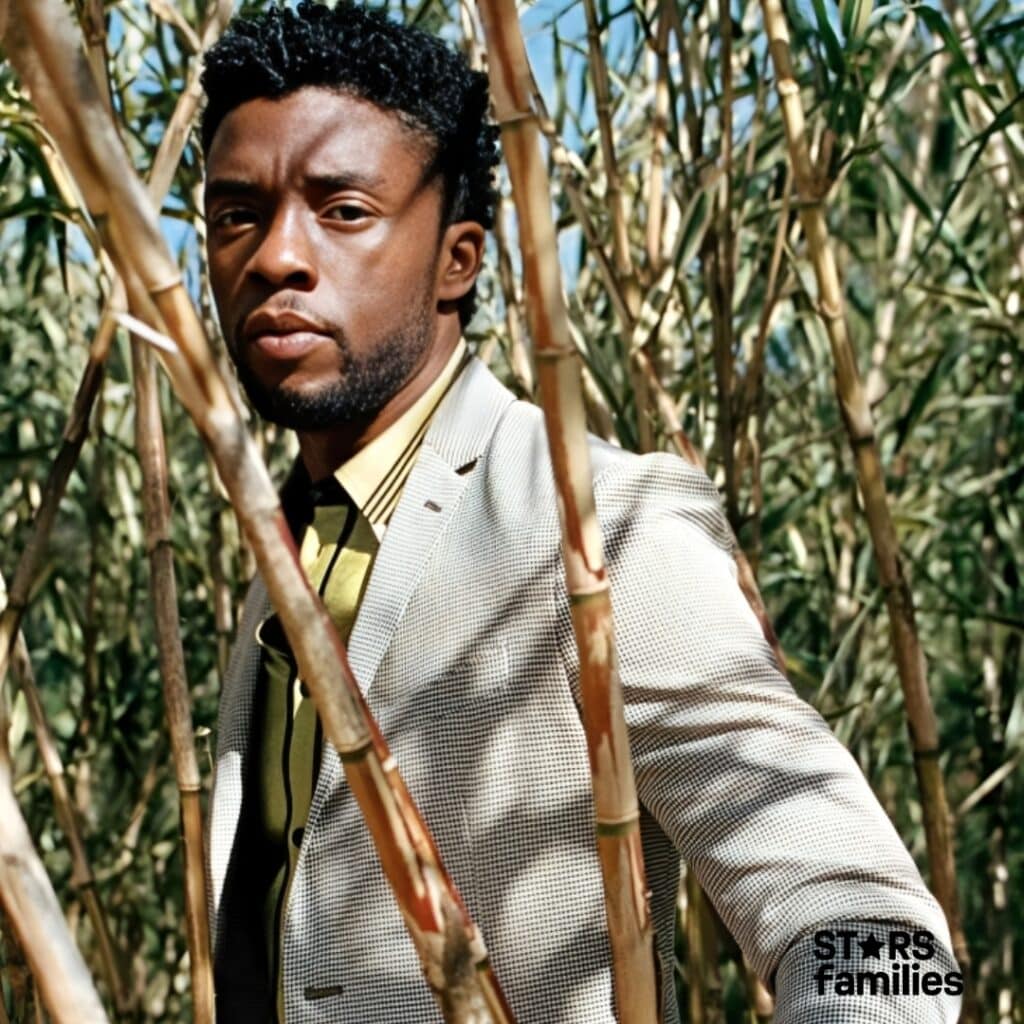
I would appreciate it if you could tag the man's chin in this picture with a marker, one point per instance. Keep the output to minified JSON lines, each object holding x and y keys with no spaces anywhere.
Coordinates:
{"x":308,"y":409}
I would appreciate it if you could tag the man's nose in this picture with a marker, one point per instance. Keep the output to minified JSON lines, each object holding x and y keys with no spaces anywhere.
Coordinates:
{"x":285,"y":253}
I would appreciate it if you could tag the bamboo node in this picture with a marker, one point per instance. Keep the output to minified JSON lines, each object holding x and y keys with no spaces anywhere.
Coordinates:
{"x":622,"y":827}
{"x":787,"y":87}
{"x":515,"y":117}
{"x":554,"y":353}
{"x":828,"y":310}
{"x":350,"y":755}
{"x":159,"y":289}
{"x":931,"y":754}
{"x":598,"y":590}
{"x":163,"y":541}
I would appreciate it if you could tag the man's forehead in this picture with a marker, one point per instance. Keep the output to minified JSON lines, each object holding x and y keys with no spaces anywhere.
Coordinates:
{"x":319,"y":129}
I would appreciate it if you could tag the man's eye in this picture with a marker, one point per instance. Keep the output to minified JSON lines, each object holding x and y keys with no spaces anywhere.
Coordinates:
{"x":232,"y":218}
{"x":348,"y":212}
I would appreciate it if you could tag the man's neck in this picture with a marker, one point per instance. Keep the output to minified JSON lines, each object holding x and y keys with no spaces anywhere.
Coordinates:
{"x":323,"y":451}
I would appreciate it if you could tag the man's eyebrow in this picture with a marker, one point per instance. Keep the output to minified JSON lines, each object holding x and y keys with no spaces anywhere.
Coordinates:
{"x":220,"y":188}
{"x":341,"y":180}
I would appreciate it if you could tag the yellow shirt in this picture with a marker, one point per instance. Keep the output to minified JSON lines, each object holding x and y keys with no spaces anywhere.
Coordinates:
{"x":350,"y":516}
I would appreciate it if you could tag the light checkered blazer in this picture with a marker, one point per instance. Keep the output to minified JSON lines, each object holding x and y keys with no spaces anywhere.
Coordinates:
{"x":464,"y":647}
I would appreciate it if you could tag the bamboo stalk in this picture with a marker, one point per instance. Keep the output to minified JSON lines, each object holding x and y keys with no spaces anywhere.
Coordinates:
{"x":164,"y":165}
{"x":720,"y":275}
{"x":704,"y":983}
{"x":83,"y":881}
{"x":75,"y":432}
{"x":558,"y":374}
{"x":94,"y":29}
{"x":980,"y":109}
{"x":44,"y":48}
{"x":613,"y":189}
{"x":13,"y":966}
{"x":621,"y":254}
{"x":630,"y":326}
{"x":31,"y":907}
{"x":910,"y":661}
{"x":885,"y":321}
{"x":518,"y":357}
{"x":149,"y":440}
{"x":659,"y":131}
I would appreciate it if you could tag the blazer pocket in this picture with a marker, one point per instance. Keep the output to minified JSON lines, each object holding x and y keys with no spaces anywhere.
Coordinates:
{"x":476,"y":679}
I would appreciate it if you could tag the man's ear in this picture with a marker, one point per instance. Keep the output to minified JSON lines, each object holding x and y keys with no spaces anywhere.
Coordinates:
{"x":462,"y":253}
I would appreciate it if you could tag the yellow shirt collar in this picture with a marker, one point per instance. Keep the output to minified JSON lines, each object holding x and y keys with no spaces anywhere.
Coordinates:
{"x":375,"y":475}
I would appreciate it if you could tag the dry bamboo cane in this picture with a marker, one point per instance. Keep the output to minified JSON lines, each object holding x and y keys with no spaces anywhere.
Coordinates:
{"x":83,"y":881}
{"x":164,"y":164}
{"x":558,"y":375}
{"x":44,"y":47}
{"x":149,"y":440}
{"x":666,"y":407}
{"x":621,"y":253}
{"x":75,"y":432}
{"x":659,"y":131}
{"x":31,"y":907}
{"x":910,"y":660}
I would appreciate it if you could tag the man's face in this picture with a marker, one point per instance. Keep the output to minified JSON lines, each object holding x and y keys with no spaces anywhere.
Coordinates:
{"x":323,"y":241}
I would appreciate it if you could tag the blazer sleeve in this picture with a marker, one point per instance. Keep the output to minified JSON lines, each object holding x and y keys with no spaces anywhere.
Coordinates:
{"x":768,"y":809}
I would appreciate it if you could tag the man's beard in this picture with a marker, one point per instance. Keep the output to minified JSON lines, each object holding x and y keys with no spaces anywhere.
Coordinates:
{"x":365,"y":386}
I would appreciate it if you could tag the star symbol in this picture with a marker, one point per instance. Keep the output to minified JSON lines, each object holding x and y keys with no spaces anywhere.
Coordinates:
{"x":870,"y":946}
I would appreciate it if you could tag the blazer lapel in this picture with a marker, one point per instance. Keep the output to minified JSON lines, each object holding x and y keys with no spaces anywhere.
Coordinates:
{"x":457,"y":436}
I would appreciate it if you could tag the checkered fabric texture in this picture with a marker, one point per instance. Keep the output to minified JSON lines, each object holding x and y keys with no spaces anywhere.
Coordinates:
{"x":464,"y":647}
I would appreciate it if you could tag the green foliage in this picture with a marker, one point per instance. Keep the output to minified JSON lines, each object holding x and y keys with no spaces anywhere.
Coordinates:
{"x":915,"y":115}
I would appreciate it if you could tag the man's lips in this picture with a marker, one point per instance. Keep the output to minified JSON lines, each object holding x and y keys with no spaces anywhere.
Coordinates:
{"x":284,"y":335}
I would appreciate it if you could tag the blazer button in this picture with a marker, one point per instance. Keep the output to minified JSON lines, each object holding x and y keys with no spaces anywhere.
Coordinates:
{"x":297,"y":836}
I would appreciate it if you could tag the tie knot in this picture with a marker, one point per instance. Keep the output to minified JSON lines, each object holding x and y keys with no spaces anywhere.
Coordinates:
{"x":327,"y":493}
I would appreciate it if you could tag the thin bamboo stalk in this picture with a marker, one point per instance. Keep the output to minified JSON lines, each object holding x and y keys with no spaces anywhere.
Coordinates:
{"x":910,"y":661}
{"x":613,"y":189}
{"x":33,"y":911}
{"x":981,"y":108}
{"x":518,"y":357}
{"x":663,"y":401}
{"x":885,"y":321}
{"x":558,"y":374}
{"x":760,"y":1005}
{"x":720,"y":274}
{"x":149,"y":441}
{"x":44,"y":47}
{"x":75,"y":432}
{"x":83,"y":881}
{"x":164,"y":164}
{"x":223,"y":612}
{"x":621,"y":254}
{"x":659,"y":130}
{"x":94,"y":29}
{"x":13,"y":967}
{"x":704,"y":984}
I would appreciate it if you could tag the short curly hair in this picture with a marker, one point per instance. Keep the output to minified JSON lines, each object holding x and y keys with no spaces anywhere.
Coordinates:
{"x":362,"y":53}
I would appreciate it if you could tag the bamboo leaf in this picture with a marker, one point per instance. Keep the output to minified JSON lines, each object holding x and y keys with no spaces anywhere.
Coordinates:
{"x":833,"y":48}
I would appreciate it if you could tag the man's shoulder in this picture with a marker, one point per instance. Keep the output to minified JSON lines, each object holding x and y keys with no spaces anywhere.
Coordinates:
{"x":632,"y":492}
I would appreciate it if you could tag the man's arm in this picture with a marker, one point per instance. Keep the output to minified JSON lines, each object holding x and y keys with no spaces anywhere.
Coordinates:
{"x":769,"y":810}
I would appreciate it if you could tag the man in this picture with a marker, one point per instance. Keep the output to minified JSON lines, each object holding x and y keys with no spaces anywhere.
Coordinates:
{"x":349,"y":187}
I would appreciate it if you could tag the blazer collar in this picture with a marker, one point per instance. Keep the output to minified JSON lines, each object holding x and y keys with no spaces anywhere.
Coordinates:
{"x":458,"y":436}
{"x":464,"y":422}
